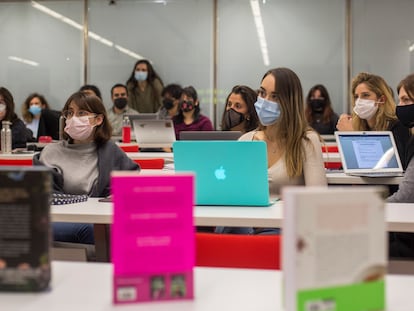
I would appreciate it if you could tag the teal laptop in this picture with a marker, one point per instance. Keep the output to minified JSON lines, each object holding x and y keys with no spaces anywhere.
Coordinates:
{"x":227,"y":172}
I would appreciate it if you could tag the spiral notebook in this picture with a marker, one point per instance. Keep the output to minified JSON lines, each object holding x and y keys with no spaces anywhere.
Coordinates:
{"x":369,"y":154}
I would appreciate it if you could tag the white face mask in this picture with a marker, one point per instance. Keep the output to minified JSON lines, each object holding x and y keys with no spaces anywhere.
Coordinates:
{"x":365,"y":108}
{"x":2,"y":107}
{"x":79,"y":128}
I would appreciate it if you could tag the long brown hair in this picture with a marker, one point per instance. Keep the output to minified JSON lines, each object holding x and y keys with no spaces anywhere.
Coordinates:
{"x":386,"y":112}
{"x":291,"y":128}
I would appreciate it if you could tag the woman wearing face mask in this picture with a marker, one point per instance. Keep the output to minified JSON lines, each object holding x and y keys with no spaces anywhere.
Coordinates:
{"x":20,"y":134}
{"x":402,"y":244}
{"x":319,"y":111}
{"x":144,"y":88}
{"x":189,"y":117}
{"x":83,"y":161}
{"x":39,"y":118}
{"x":374,"y":110}
{"x":294,"y":151}
{"x":239,"y":113}
{"x":171,"y":95}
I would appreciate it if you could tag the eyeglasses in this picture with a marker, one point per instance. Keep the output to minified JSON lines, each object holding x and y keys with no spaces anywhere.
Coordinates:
{"x":68,"y":114}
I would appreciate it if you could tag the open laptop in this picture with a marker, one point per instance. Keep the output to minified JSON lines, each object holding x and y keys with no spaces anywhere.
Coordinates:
{"x":370,"y":153}
{"x":141,"y":116}
{"x":227,"y":172}
{"x":154,"y":133}
{"x":210,"y":135}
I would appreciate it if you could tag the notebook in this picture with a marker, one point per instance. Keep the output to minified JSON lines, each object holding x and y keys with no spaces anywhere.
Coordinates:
{"x":210,"y":135}
{"x":370,"y":154}
{"x":154,"y":133}
{"x":227,"y":172}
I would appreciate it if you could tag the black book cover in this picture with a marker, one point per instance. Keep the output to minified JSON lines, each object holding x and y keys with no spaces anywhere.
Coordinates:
{"x":25,"y":234}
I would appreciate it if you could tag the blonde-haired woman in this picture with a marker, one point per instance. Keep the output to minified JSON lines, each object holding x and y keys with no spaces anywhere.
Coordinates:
{"x":373,"y":109}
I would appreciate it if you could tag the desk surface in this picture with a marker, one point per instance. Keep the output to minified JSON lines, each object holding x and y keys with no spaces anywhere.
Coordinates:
{"x":88,"y":286}
{"x":399,"y":216}
{"x":340,"y":178}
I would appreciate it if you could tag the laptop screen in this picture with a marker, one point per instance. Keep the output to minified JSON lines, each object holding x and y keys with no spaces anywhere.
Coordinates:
{"x":367,"y":151}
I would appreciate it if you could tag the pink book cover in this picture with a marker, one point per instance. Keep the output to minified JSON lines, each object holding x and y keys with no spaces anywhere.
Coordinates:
{"x":152,"y":237}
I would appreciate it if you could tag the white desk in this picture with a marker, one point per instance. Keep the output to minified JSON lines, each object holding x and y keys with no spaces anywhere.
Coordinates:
{"x":88,"y":286}
{"x":340,"y":178}
{"x":167,"y":156}
{"x":399,"y":216}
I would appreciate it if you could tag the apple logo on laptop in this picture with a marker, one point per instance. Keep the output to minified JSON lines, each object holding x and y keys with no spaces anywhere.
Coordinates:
{"x":220,"y":173}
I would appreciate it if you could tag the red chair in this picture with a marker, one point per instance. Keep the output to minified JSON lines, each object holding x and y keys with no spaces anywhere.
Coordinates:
{"x":238,"y":251}
{"x":150,"y":163}
{"x":129,"y":148}
{"x":331,"y":164}
{"x":16,"y":162}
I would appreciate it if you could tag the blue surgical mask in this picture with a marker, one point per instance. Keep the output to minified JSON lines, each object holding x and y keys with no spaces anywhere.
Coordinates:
{"x":35,"y":110}
{"x":267,"y":111}
{"x":141,"y":75}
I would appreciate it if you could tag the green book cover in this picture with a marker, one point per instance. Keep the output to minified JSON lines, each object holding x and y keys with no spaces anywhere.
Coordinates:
{"x":334,"y":249}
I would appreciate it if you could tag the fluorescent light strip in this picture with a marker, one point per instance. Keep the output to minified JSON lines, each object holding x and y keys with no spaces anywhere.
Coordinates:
{"x":24,"y":61}
{"x":257,"y":16}
{"x":411,"y":48}
{"x":91,"y":34}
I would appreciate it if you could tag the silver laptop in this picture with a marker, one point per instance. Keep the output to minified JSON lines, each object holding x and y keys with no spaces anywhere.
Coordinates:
{"x":154,"y":133}
{"x":141,"y":116}
{"x":210,"y":135}
{"x":370,"y":154}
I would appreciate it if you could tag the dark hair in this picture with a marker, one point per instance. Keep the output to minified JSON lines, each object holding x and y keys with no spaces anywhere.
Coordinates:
{"x":175,"y":90}
{"x":27,"y":115}
{"x":9,"y":101}
{"x":92,"y":88}
{"x":327,"y":112}
{"x":118,"y":85}
{"x":189,"y":91}
{"x":152,"y":76}
{"x":92,"y":104}
{"x":250,"y":97}
{"x":408,"y":84}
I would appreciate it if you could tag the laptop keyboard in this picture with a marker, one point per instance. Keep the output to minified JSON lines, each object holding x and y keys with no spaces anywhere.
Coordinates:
{"x":379,"y":174}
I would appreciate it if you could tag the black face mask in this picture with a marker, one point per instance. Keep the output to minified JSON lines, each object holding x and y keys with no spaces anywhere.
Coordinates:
{"x":406,"y":115}
{"x":168,"y":103}
{"x":187,"y":106}
{"x":232,"y":118}
{"x":120,"y":102}
{"x":317,"y":105}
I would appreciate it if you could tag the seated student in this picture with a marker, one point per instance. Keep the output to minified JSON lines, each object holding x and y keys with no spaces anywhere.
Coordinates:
{"x":189,"y":117}
{"x":91,"y":89}
{"x":319,"y":112}
{"x":239,"y":113}
{"x":294,"y":151}
{"x":374,"y":110}
{"x":20,"y":133}
{"x":83,"y":161}
{"x":39,"y":118}
{"x":402,"y":244}
{"x":171,"y":95}
{"x":119,"y":96}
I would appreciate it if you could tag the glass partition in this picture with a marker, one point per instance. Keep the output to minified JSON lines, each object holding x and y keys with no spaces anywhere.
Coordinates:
{"x":175,"y":36}
{"x":305,"y":36}
{"x":41,"y":49}
{"x":383,"y":43}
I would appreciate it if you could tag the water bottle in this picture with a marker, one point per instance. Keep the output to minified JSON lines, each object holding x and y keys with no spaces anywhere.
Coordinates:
{"x":126,"y":130}
{"x":6,"y":137}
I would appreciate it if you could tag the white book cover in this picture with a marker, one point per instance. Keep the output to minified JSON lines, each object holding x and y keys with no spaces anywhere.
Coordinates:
{"x":334,"y":248}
